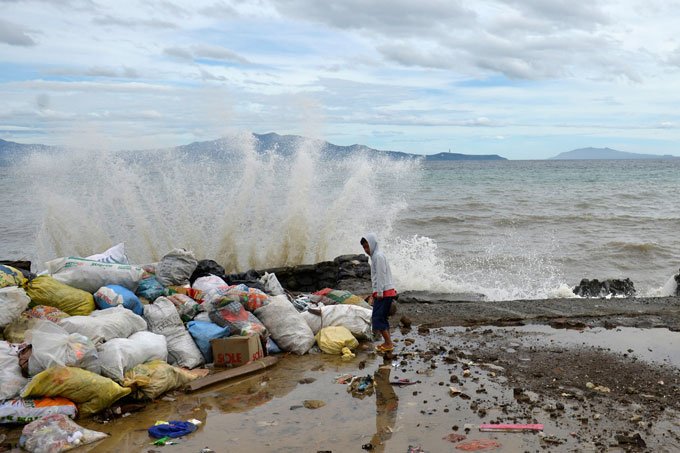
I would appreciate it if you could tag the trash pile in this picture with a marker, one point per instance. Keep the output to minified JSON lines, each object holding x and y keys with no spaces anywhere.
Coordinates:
{"x":90,"y":332}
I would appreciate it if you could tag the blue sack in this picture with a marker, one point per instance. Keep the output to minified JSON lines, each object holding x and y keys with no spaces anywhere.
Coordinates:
{"x":110,"y":296}
{"x":202,"y":332}
{"x":174,"y":429}
{"x":150,"y":289}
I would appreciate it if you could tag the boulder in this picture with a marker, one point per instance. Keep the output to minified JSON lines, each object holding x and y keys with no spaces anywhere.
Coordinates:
{"x":596,"y":288}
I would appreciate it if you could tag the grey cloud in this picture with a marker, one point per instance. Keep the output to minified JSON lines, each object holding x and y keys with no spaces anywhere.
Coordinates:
{"x":217,"y":53}
{"x":42,"y":101}
{"x":133,"y":23}
{"x":167,"y":7}
{"x":219,"y":9}
{"x":402,"y":16}
{"x":97,"y":71}
{"x":14,"y":34}
{"x":205,"y":75}
{"x":178,"y":52}
{"x":563,"y":13}
{"x":209,"y":52}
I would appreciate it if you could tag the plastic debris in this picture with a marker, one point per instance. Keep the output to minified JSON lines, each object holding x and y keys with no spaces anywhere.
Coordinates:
{"x":509,"y":427}
{"x":478,"y":445}
{"x":56,"y":433}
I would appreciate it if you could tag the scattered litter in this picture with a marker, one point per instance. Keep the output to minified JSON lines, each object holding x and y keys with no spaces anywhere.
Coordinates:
{"x":361,"y":386}
{"x":453,"y":437}
{"x":313,"y":404}
{"x":453,"y":391}
{"x":402,"y":382}
{"x":344,"y":378}
{"x":598,"y":388}
{"x":477,"y":445}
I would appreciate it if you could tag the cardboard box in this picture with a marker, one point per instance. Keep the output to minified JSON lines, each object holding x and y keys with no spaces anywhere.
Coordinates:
{"x":237,"y":350}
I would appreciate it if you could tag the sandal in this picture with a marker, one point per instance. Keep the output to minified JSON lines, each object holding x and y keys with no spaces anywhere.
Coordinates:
{"x":381,"y":348}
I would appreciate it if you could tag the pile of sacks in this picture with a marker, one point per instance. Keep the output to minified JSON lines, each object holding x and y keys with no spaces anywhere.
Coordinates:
{"x":90,"y":331}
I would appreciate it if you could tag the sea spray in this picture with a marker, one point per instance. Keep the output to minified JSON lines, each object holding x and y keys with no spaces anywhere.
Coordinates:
{"x":243,"y":208}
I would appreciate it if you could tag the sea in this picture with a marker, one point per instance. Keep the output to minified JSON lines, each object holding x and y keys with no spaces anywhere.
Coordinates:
{"x":528,"y":229}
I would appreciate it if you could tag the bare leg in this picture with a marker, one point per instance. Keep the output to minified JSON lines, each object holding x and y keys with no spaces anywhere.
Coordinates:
{"x":388,"y":340}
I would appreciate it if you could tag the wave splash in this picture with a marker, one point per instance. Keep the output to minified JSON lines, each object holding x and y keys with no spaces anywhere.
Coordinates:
{"x":243,"y":208}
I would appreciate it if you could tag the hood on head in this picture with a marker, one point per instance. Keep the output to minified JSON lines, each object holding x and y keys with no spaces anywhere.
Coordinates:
{"x":372,"y":240}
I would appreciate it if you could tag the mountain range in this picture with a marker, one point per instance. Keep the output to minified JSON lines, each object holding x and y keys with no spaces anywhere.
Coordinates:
{"x":605,"y":154}
{"x":285,"y":145}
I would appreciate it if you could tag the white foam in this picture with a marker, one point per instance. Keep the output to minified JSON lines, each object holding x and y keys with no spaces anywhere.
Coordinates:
{"x":668,"y":289}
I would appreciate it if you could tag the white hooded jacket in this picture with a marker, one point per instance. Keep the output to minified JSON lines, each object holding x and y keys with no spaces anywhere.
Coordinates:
{"x":381,"y":275}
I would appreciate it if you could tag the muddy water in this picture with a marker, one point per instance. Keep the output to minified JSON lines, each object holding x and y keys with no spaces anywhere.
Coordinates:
{"x":265,"y":412}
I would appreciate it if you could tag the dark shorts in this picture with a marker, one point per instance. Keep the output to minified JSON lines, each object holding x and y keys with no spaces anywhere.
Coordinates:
{"x":381,"y":311}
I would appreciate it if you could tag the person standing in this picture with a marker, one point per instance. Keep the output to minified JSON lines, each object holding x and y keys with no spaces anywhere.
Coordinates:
{"x":383,"y":290}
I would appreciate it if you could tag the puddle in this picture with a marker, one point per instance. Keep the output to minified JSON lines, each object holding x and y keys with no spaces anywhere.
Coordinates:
{"x":660,"y":345}
{"x":265,"y":412}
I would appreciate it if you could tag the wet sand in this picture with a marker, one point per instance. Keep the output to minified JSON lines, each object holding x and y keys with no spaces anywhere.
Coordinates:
{"x":531,"y":373}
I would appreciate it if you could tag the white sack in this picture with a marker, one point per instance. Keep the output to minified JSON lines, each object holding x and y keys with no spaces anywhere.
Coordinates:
{"x":164,"y":320}
{"x":115,"y":254}
{"x":116,"y":322}
{"x":312,"y":320}
{"x":272,"y":285}
{"x":122,"y":354}
{"x":286,"y":326}
{"x":176,"y":267}
{"x":356,"y":319}
{"x":91,"y":275}
{"x":54,"y":346}
{"x":13,"y":301}
{"x":11,"y":380}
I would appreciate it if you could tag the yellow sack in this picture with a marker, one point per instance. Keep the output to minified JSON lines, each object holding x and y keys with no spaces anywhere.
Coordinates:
{"x":331,"y":340}
{"x":45,"y":290}
{"x":150,"y":380}
{"x":15,"y":332}
{"x":91,"y":392}
{"x":10,"y":276}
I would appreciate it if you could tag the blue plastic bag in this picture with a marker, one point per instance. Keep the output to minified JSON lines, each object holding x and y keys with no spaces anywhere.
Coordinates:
{"x":202,"y":332}
{"x":110,"y":296}
{"x":150,"y":289}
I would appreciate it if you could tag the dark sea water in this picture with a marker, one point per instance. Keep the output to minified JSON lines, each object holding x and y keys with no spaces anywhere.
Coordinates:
{"x":508,"y":229}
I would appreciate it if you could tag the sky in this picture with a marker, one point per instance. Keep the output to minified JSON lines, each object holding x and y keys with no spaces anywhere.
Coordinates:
{"x":525,"y":79}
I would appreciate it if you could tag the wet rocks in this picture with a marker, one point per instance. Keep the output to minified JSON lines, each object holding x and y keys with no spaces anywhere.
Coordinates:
{"x":634,"y":440}
{"x":313,"y":404}
{"x":612,"y":287}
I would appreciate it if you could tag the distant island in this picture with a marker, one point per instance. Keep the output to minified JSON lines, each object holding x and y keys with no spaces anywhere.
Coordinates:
{"x":284,"y":145}
{"x":606,"y":153}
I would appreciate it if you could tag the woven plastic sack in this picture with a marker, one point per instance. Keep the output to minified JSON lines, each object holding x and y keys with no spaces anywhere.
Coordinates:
{"x":13,"y":301}
{"x":110,"y":296}
{"x":54,"y":346}
{"x":150,"y":289}
{"x":117,"y":322}
{"x":151,"y":380}
{"x":27,"y":410}
{"x":11,"y":380}
{"x":230,"y":313}
{"x":186,"y":307}
{"x":46,"y":312}
{"x":45,"y":290}
{"x":163,"y":319}
{"x":91,"y":392}
{"x":286,"y":326}
{"x":16,"y":331}
{"x":202,"y":332}
{"x":122,"y":354}
{"x":356,"y":319}
{"x":10,"y":276}
{"x":312,"y":320}
{"x":251,"y":298}
{"x":56,"y":433}
{"x":332,"y":340}
{"x":176,"y":267}
{"x":91,"y":275}
{"x":114,"y":255}
{"x":205,"y":284}
{"x":272,"y":285}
